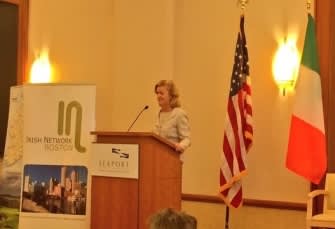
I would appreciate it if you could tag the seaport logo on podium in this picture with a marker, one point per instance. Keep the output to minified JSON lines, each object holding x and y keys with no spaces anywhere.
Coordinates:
{"x":115,"y":160}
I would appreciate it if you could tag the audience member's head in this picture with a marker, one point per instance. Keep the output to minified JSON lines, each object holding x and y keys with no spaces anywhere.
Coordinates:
{"x":190,"y":221}
{"x":172,"y":219}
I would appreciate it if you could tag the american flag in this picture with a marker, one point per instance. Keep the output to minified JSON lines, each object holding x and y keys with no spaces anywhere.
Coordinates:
{"x":238,"y":129}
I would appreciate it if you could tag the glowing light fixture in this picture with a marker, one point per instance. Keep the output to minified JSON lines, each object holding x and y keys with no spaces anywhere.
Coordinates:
{"x":41,"y":70}
{"x":286,"y":65}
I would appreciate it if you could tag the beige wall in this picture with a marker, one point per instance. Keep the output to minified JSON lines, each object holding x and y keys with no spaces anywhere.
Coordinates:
{"x":212,"y":216}
{"x":205,"y":39}
{"x":125,"y":46}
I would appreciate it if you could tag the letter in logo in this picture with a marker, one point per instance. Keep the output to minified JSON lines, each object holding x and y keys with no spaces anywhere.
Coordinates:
{"x":79,"y":112}
{"x":122,"y":154}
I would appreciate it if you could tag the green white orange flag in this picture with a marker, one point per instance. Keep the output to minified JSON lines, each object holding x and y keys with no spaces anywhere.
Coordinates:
{"x":306,"y":155}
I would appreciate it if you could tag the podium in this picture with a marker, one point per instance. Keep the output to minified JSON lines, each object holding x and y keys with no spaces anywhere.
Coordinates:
{"x":118,"y":203}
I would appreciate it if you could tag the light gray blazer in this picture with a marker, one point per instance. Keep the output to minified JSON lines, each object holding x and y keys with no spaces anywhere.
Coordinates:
{"x":175,"y":127}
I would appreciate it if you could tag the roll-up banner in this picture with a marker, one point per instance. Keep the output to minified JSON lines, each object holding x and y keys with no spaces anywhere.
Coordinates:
{"x":56,"y":121}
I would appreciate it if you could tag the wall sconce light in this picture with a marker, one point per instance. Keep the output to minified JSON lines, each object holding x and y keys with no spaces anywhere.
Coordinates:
{"x":41,"y":70}
{"x":285,"y":65}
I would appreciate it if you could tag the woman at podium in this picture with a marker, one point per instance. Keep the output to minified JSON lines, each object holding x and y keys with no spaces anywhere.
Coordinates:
{"x":172,"y":121}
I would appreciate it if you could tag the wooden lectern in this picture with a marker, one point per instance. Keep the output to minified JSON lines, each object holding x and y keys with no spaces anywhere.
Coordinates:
{"x":119,"y":203}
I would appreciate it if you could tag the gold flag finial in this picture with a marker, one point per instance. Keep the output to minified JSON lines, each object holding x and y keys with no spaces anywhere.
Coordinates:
{"x":243,"y":3}
{"x":309,"y":5}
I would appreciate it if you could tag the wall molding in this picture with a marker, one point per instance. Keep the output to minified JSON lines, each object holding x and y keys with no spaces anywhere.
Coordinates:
{"x":247,"y":202}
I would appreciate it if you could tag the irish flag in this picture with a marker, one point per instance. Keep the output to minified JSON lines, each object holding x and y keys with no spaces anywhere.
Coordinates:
{"x":306,"y":155}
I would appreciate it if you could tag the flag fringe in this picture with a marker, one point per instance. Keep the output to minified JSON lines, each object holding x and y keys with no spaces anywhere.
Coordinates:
{"x":233,"y":180}
{"x":227,"y":202}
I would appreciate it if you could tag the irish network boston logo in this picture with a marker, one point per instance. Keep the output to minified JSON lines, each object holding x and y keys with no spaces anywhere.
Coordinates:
{"x":68,"y":134}
{"x":65,"y":122}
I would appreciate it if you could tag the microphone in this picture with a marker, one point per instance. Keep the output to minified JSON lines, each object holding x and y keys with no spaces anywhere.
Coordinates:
{"x":146,"y":107}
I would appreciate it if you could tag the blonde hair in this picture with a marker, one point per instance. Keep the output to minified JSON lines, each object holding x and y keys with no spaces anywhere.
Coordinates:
{"x":171,"y":219}
{"x":172,"y":90}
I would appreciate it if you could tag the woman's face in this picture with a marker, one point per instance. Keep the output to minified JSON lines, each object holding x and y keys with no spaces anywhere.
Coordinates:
{"x":163,"y":97}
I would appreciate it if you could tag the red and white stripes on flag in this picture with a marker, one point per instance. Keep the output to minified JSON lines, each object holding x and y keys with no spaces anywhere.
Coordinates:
{"x":238,"y":130}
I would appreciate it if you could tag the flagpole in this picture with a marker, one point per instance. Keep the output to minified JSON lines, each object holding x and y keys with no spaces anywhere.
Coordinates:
{"x":242,"y":4}
{"x":227,"y":218}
